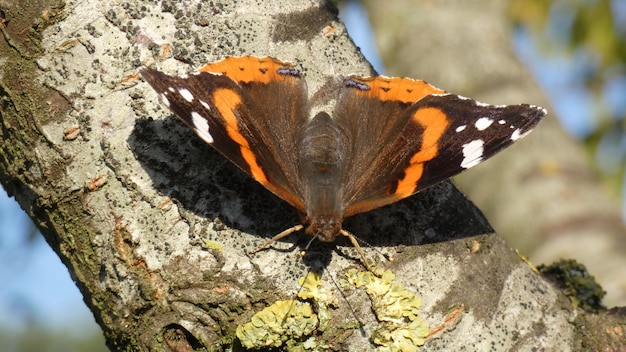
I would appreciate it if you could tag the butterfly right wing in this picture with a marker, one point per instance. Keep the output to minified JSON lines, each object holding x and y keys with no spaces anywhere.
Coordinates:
{"x":406,"y":135}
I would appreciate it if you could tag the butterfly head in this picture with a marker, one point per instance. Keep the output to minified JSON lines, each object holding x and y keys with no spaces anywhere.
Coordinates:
{"x":324,"y":228}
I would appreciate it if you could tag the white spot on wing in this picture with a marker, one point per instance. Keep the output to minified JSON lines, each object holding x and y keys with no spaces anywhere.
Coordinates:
{"x":502,"y":122}
{"x":517,"y":134}
{"x":171,"y":89}
{"x":186,"y":94}
{"x":201,"y":126}
{"x":460,"y":128}
{"x":482,"y":123}
{"x":206,"y":106}
{"x":485,"y":105}
{"x":472,"y":153}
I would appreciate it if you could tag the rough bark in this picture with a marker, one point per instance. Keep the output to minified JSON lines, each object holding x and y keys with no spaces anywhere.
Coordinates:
{"x":541,"y":195}
{"x":154,"y":225}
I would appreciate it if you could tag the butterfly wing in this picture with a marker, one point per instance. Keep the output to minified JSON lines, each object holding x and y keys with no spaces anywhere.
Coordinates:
{"x":249,"y":110}
{"x":407,"y":135}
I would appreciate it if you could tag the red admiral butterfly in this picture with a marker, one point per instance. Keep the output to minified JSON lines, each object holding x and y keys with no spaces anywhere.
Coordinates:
{"x":386,"y":139}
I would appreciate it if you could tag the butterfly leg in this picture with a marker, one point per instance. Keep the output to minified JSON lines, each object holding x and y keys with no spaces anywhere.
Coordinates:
{"x":356,"y":245}
{"x":281,"y":235}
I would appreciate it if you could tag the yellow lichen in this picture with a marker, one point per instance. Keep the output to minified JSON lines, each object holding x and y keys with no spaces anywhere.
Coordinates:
{"x":212,"y":245}
{"x":290,"y":322}
{"x":397,"y":308}
{"x":274,"y":325}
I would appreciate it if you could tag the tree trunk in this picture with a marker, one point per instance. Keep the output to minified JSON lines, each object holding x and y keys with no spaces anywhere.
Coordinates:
{"x":156,"y":240}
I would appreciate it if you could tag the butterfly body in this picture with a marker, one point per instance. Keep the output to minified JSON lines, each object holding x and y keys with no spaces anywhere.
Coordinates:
{"x":321,"y":157}
{"x":386,"y":139}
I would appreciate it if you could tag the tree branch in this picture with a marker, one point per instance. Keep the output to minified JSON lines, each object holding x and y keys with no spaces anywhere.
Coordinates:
{"x":154,"y":226}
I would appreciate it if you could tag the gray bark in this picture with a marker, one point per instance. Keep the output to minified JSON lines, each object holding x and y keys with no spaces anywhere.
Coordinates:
{"x":153,"y":225}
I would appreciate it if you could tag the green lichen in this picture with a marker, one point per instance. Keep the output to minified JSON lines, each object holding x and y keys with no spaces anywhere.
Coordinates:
{"x":392,"y":338}
{"x":278,"y":323}
{"x":312,"y":289}
{"x":578,"y":285}
{"x":290,"y":322}
{"x":397,"y":308}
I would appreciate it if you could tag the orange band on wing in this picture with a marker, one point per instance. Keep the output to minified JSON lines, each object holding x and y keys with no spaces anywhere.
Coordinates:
{"x":435,"y":122}
{"x":248,"y":69}
{"x":226,"y":100}
{"x":404,"y":90}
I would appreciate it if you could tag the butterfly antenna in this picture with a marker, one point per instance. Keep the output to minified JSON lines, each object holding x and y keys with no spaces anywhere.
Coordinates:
{"x":343,"y":295}
{"x":281,"y":235}
{"x":386,"y":256}
{"x":295,"y":300}
{"x":303,"y":253}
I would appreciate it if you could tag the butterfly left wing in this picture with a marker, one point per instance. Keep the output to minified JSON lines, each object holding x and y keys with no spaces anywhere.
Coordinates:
{"x":229,"y":104}
{"x":412,"y":135}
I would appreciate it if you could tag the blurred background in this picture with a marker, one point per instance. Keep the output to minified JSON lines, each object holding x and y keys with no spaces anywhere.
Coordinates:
{"x":575,"y":50}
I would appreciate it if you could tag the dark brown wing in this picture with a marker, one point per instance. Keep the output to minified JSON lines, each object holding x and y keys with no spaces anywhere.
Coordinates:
{"x":247,"y":108}
{"x":407,"y":135}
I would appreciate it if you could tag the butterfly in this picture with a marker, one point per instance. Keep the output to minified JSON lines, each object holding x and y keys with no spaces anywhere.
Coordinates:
{"x":384,"y":140}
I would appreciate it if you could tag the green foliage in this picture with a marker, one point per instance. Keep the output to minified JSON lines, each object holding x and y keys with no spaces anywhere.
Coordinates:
{"x":590,"y":28}
{"x":42,"y":339}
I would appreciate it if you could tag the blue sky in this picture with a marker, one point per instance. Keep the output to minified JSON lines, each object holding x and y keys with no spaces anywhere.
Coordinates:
{"x":37,"y":287}
{"x":34,"y":279}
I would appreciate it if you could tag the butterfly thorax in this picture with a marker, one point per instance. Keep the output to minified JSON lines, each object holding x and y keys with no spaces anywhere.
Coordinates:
{"x":321,"y":155}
